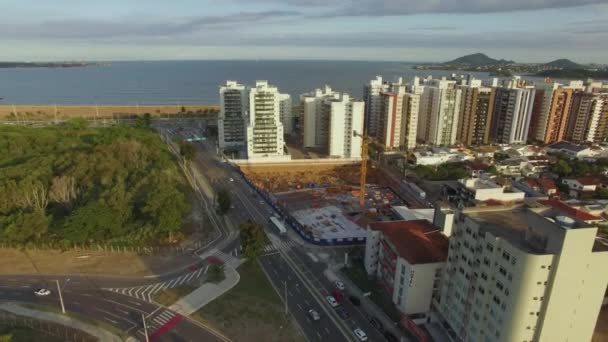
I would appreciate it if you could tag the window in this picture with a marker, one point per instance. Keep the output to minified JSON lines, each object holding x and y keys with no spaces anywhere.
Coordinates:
{"x":499,"y":285}
{"x":506,"y":256}
{"x":490,"y":247}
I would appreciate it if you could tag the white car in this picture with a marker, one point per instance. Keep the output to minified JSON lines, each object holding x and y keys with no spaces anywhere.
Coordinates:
{"x":332,"y":301}
{"x":360,"y":334}
{"x":232,"y":179}
{"x":314,"y":314}
{"x":339,"y":285}
{"x":42,"y":292}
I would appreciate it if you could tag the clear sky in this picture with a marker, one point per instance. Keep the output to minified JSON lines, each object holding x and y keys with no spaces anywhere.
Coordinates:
{"x":397,"y":30}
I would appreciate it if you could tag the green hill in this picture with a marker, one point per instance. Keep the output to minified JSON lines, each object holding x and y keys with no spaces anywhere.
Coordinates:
{"x":478,"y":59}
{"x":564,"y":64}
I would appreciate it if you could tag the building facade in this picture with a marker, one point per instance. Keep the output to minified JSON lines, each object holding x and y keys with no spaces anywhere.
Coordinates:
{"x":475,"y":115}
{"x":439,"y":112}
{"x":511,"y":115}
{"x":522,"y":274}
{"x":398,"y":120}
{"x":286,"y":113}
{"x":373,"y":104}
{"x":264,"y":128}
{"x":232,"y":118}
{"x":557,"y":121}
{"x":588,"y":120}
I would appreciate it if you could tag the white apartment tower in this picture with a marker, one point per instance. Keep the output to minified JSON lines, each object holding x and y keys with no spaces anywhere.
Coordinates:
{"x":512,"y":114}
{"x":330,"y":120}
{"x":286,"y":113}
{"x":373,"y":104}
{"x":232,"y":117}
{"x":522,"y":274}
{"x":264,"y":129}
{"x":398,"y":120}
{"x":439,"y":112}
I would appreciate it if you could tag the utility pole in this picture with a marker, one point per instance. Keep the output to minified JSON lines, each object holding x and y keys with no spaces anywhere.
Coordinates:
{"x":60,"y":297}
{"x":285,"y":285}
{"x":143,"y":318}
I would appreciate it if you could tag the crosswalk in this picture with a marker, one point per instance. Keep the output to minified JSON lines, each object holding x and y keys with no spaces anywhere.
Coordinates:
{"x":156,"y":322}
{"x":230,"y":259}
{"x":147,"y":291}
{"x":277,"y":244}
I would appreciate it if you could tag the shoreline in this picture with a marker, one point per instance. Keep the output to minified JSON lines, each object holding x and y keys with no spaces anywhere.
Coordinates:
{"x":52,"y":112}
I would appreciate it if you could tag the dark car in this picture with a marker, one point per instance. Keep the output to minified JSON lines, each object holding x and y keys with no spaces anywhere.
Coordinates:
{"x":356,"y":301}
{"x":342,"y":313}
{"x":390,"y":337}
{"x":376,"y":323}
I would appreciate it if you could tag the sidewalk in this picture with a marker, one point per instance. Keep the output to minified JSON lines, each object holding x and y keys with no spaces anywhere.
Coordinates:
{"x":206,"y":293}
{"x":102,"y":335}
{"x":333,"y":273}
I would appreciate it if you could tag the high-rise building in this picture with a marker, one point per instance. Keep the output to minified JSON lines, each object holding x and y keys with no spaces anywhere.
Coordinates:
{"x":543,"y":98}
{"x":511,"y":115}
{"x":330,"y":121}
{"x":264,"y":129}
{"x":555,"y":129}
{"x":398,"y":120}
{"x":475,"y":114}
{"x":233,"y":115}
{"x":517,"y":274}
{"x":373,"y":104}
{"x":588,"y":120}
{"x":439,"y":112}
{"x":286,"y":113}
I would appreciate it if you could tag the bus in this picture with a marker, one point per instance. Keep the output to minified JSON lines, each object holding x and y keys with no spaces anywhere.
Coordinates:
{"x":278,"y":224}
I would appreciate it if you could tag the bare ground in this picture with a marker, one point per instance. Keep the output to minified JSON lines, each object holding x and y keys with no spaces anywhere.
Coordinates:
{"x":601,"y":327}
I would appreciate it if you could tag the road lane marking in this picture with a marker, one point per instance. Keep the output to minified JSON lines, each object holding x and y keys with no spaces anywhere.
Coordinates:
{"x":182,"y":281}
{"x":111,"y":320}
{"x":136,"y":303}
{"x":327,"y":330}
{"x":320,"y":338}
{"x":300,"y":306}
{"x":123,"y":311}
{"x":87,"y":295}
{"x":172,"y":282}
{"x":76,"y":302}
{"x":190,"y":275}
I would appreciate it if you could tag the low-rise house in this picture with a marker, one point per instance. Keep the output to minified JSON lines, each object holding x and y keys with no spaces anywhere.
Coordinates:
{"x":486,"y":151}
{"x":407,"y":258}
{"x":547,"y":186}
{"x":437,"y":156}
{"x":481,"y":190}
{"x":510,"y":167}
{"x":580,"y":187}
{"x":476,"y":168}
{"x":535,"y":165}
{"x":571,"y":150}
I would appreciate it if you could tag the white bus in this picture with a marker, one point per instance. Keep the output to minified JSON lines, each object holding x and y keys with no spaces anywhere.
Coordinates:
{"x":278,"y":224}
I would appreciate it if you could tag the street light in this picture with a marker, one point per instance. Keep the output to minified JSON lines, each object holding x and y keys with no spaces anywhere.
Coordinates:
{"x":60,"y":297}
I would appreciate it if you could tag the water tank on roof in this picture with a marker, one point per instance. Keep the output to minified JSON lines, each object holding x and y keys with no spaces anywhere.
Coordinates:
{"x":565,"y":221}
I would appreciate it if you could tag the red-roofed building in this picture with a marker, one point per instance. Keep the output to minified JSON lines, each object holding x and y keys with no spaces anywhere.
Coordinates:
{"x":580,"y":187}
{"x":547,"y":186}
{"x":407,"y":258}
{"x":570,"y":211}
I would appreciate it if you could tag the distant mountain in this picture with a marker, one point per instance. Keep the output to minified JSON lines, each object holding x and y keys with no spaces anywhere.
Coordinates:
{"x":563,"y":64}
{"x":477,"y":59}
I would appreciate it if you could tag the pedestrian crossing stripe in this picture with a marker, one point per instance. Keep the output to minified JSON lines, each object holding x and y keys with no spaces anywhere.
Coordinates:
{"x":284,"y":245}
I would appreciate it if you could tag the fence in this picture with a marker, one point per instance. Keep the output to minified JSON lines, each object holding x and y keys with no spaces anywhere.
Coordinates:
{"x":297,"y":226}
{"x":47,"y":328}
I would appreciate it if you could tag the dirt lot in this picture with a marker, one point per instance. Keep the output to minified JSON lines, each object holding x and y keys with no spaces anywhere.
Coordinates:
{"x":48,"y":112}
{"x":118,"y":264}
{"x":601,"y":327}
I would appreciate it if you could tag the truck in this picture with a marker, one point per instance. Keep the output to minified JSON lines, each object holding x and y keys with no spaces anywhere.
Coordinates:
{"x":280,"y":227}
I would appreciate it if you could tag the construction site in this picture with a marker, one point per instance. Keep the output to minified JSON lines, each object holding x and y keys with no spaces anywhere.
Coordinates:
{"x":324,"y":197}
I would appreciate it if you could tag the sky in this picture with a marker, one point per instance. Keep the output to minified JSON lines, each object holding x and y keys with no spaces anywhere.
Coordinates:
{"x":393,"y":30}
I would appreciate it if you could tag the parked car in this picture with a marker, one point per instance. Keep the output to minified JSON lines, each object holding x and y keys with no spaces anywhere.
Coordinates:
{"x":342,"y":313}
{"x":332,"y":301}
{"x":356,"y":301}
{"x":376,"y":323}
{"x":390,"y":337}
{"x":338,"y":295}
{"x":360,"y":334}
{"x":42,"y":292}
{"x":339,"y":285}
{"x":314,"y":315}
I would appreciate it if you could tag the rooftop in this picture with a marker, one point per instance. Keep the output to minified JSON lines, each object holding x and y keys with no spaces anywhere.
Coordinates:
{"x":417,"y":241}
{"x":570,"y":211}
{"x":547,"y":183}
{"x":564,"y":145}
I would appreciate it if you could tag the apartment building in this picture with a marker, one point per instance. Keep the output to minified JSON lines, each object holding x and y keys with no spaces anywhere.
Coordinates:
{"x":588,"y":120}
{"x":543,"y":98}
{"x":439,"y":112}
{"x":373,"y":104}
{"x":475,"y":114}
{"x":286,"y":113}
{"x":522,"y":274}
{"x":398,"y":120}
{"x":264,"y":128}
{"x":232,"y":118}
{"x":511,"y":115}
{"x":330,"y":122}
{"x":407,"y":257}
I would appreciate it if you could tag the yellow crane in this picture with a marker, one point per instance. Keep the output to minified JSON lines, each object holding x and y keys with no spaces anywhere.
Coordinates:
{"x":365,"y":140}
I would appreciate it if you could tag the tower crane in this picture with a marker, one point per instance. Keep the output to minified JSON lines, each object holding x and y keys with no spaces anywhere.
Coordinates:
{"x":364,"y":156}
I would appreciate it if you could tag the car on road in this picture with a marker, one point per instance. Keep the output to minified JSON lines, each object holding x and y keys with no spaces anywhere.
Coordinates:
{"x":42,"y":292}
{"x":360,"y":334}
{"x":332,"y":301}
{"x":376,"y":323}
{"x":339,"y":285}
{"x":342,"y":313}
{"x":232,"y":179}
{"x":338,"y":295}
{"x":314,"y":315}
{"x":356,"y":301}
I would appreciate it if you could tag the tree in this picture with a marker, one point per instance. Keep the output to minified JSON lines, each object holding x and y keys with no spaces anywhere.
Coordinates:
{"x":561,"y":168}
{"x":187,"y":150}
{"x":216,"y":273}
{"x":223,"y":200}
{"x":143,"y":121}
{"x":253,"y":239}
{"x":77,"y":124}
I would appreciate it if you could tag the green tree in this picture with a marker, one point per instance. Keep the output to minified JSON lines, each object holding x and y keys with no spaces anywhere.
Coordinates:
{"x":224,"y":202}
{"x":561,"y":168}
{"x":6,"y":338}
{"x":253,"y":239}
{"x":216,"y":273}
{"x":77,"y":124}
{"x":187,"y":150}
{"x":143,"y":121}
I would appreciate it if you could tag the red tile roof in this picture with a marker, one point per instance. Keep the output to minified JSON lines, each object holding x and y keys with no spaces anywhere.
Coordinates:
{"x":547,"y":183}
{"x":532,"y":183}
{"x":568,"y":210}
{"x":587,"y":180}
{"x":417,"y":241}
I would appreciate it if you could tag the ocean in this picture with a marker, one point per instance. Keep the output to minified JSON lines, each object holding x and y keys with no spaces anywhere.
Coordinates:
{"x":189,"y":82}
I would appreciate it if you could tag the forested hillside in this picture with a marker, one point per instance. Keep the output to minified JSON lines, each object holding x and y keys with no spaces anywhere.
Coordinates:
{"x":79,"y":185}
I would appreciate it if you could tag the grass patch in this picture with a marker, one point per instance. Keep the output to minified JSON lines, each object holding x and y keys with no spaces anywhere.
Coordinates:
{"x":75,"y":316}
{"x":216,"y":274}
{"x":23,"y":334}
{"x":168,"y":297}
{"x":357,"y":274}
{"x":250,"y":311}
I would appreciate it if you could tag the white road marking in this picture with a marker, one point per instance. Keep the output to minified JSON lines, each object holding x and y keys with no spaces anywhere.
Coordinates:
{"x":111,"y":320}
{"x":300,"y":306}
{"x":172,"y":282}
{"x":182,"y":281}
{"x":75,"y":302}
{"x":123,"y":311}
{"x":87,"y":295}
{"x":190,"y":275}
{"x":320,"y":338}
{"x":206,"y":269}
{"x":136,"y":303}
